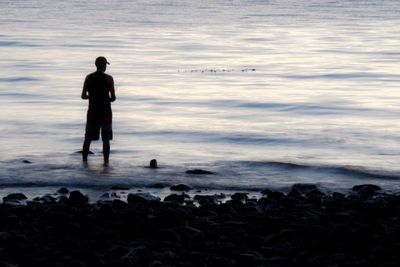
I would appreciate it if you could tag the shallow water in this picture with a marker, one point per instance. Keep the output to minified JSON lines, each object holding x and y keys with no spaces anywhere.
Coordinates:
{"x":264,"y":93}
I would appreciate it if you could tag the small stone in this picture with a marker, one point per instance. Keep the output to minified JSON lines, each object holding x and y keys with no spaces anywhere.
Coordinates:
{"x":239,"y":196}
{"x":175,"y":198}
{"x":369,"y":186}
{"x":14,"y":197}
{"x":63,"y":191}
{"x":294,"y":193}
{"x":304,"y":188}
{"x":266,"y":191}
{"x":198,"y":171}
{"x":153,"y":164}
{"x":180,"y":187}
{"x":315,"y":194}
{"x":142,"y":198}
{"x":77,"y":198}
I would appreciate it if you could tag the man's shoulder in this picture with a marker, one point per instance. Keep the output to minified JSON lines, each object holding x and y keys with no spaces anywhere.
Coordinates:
{"x":108,"y":76}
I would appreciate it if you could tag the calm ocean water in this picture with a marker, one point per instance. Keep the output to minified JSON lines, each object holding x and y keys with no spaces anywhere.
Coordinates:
{"x":264,"y":93}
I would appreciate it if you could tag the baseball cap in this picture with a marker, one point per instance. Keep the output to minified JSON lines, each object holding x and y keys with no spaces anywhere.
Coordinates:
{"x":100,"y":61}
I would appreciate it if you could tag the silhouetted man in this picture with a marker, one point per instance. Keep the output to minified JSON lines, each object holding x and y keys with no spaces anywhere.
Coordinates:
{"x":99,"y":89}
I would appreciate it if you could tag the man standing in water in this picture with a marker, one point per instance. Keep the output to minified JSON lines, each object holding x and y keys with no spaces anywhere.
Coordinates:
{"x":99,"y":89}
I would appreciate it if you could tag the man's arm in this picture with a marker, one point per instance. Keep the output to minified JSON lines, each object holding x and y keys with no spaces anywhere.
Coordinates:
{"x":112,"y":90}
{"x":85,"y":94}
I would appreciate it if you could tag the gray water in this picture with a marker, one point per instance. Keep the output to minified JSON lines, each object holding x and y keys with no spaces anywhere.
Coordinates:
{"x":264,"y":93}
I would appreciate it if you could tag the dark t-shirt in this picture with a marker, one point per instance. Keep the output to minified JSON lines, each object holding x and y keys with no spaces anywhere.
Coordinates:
{"x":98,"y":85}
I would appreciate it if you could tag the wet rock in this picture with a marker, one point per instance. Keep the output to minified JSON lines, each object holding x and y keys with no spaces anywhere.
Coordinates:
{"x":180,"y":187}
{"x":266,"y":191}
{"x":366,"y":190}
{"x":142,"y":198}
{"x":175,"y":198}
{"x":315,"y":194}
{"x":276,"y":195}
{"x":153,"y":164}
{"x":76,"y":198}
{"x":205,"y":199}
{"x":294,"y":193}
{"x":304,"y":188}
{"x":14,"y":197}
{"x":371,"y":186}
{"x":118,"y":187}
{"x":198,"y":171}
{"x":239,"y":196}
{"x":63,"y":191}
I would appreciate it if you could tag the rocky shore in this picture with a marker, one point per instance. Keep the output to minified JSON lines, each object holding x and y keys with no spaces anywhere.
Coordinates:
{"x":302,"y":228}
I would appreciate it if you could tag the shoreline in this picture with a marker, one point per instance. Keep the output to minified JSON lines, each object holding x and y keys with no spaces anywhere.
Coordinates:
{"x":304,"y":227}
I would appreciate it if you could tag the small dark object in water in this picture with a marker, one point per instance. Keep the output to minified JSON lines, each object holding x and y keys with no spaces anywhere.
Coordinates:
{"x":198,"y":171}
{"x":117,"y":187}
{"x":153,"y":164}
{"x":180,"y":187}
{"x":27,"y":161}
{"x":63,"y":191}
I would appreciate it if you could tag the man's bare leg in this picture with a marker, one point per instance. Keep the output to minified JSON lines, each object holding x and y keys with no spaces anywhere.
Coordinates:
{"x":85,"y":149}
{"x":106,"y":150}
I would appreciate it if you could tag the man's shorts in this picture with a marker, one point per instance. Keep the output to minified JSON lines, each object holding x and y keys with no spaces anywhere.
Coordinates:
{"x":93,"y":131}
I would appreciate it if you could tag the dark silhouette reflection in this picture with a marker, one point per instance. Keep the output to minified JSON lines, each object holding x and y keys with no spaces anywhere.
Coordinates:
{"x":99,"y":89}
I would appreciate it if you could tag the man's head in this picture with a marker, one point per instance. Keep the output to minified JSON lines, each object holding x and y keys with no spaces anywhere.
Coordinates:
{"x":101,"y":63}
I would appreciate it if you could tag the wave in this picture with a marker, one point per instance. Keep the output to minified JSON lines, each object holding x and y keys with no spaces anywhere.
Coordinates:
{"x":353,"y":171}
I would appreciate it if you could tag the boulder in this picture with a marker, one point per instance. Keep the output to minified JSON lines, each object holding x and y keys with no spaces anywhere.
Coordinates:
{"x":180,"y":187}
{"x":198,"y":171}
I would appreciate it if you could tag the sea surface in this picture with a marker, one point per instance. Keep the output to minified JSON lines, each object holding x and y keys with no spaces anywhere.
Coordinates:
{"x":263,"y":93}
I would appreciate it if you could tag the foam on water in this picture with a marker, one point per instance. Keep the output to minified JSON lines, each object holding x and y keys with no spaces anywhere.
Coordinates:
{"x":265,"y":93}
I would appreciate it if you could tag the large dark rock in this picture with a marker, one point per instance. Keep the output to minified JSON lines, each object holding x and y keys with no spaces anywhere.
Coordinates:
{"x":77,"y":198}
{"x":14,"y":197}
{"x":198,"y":171}
{"x":180,"y":187}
